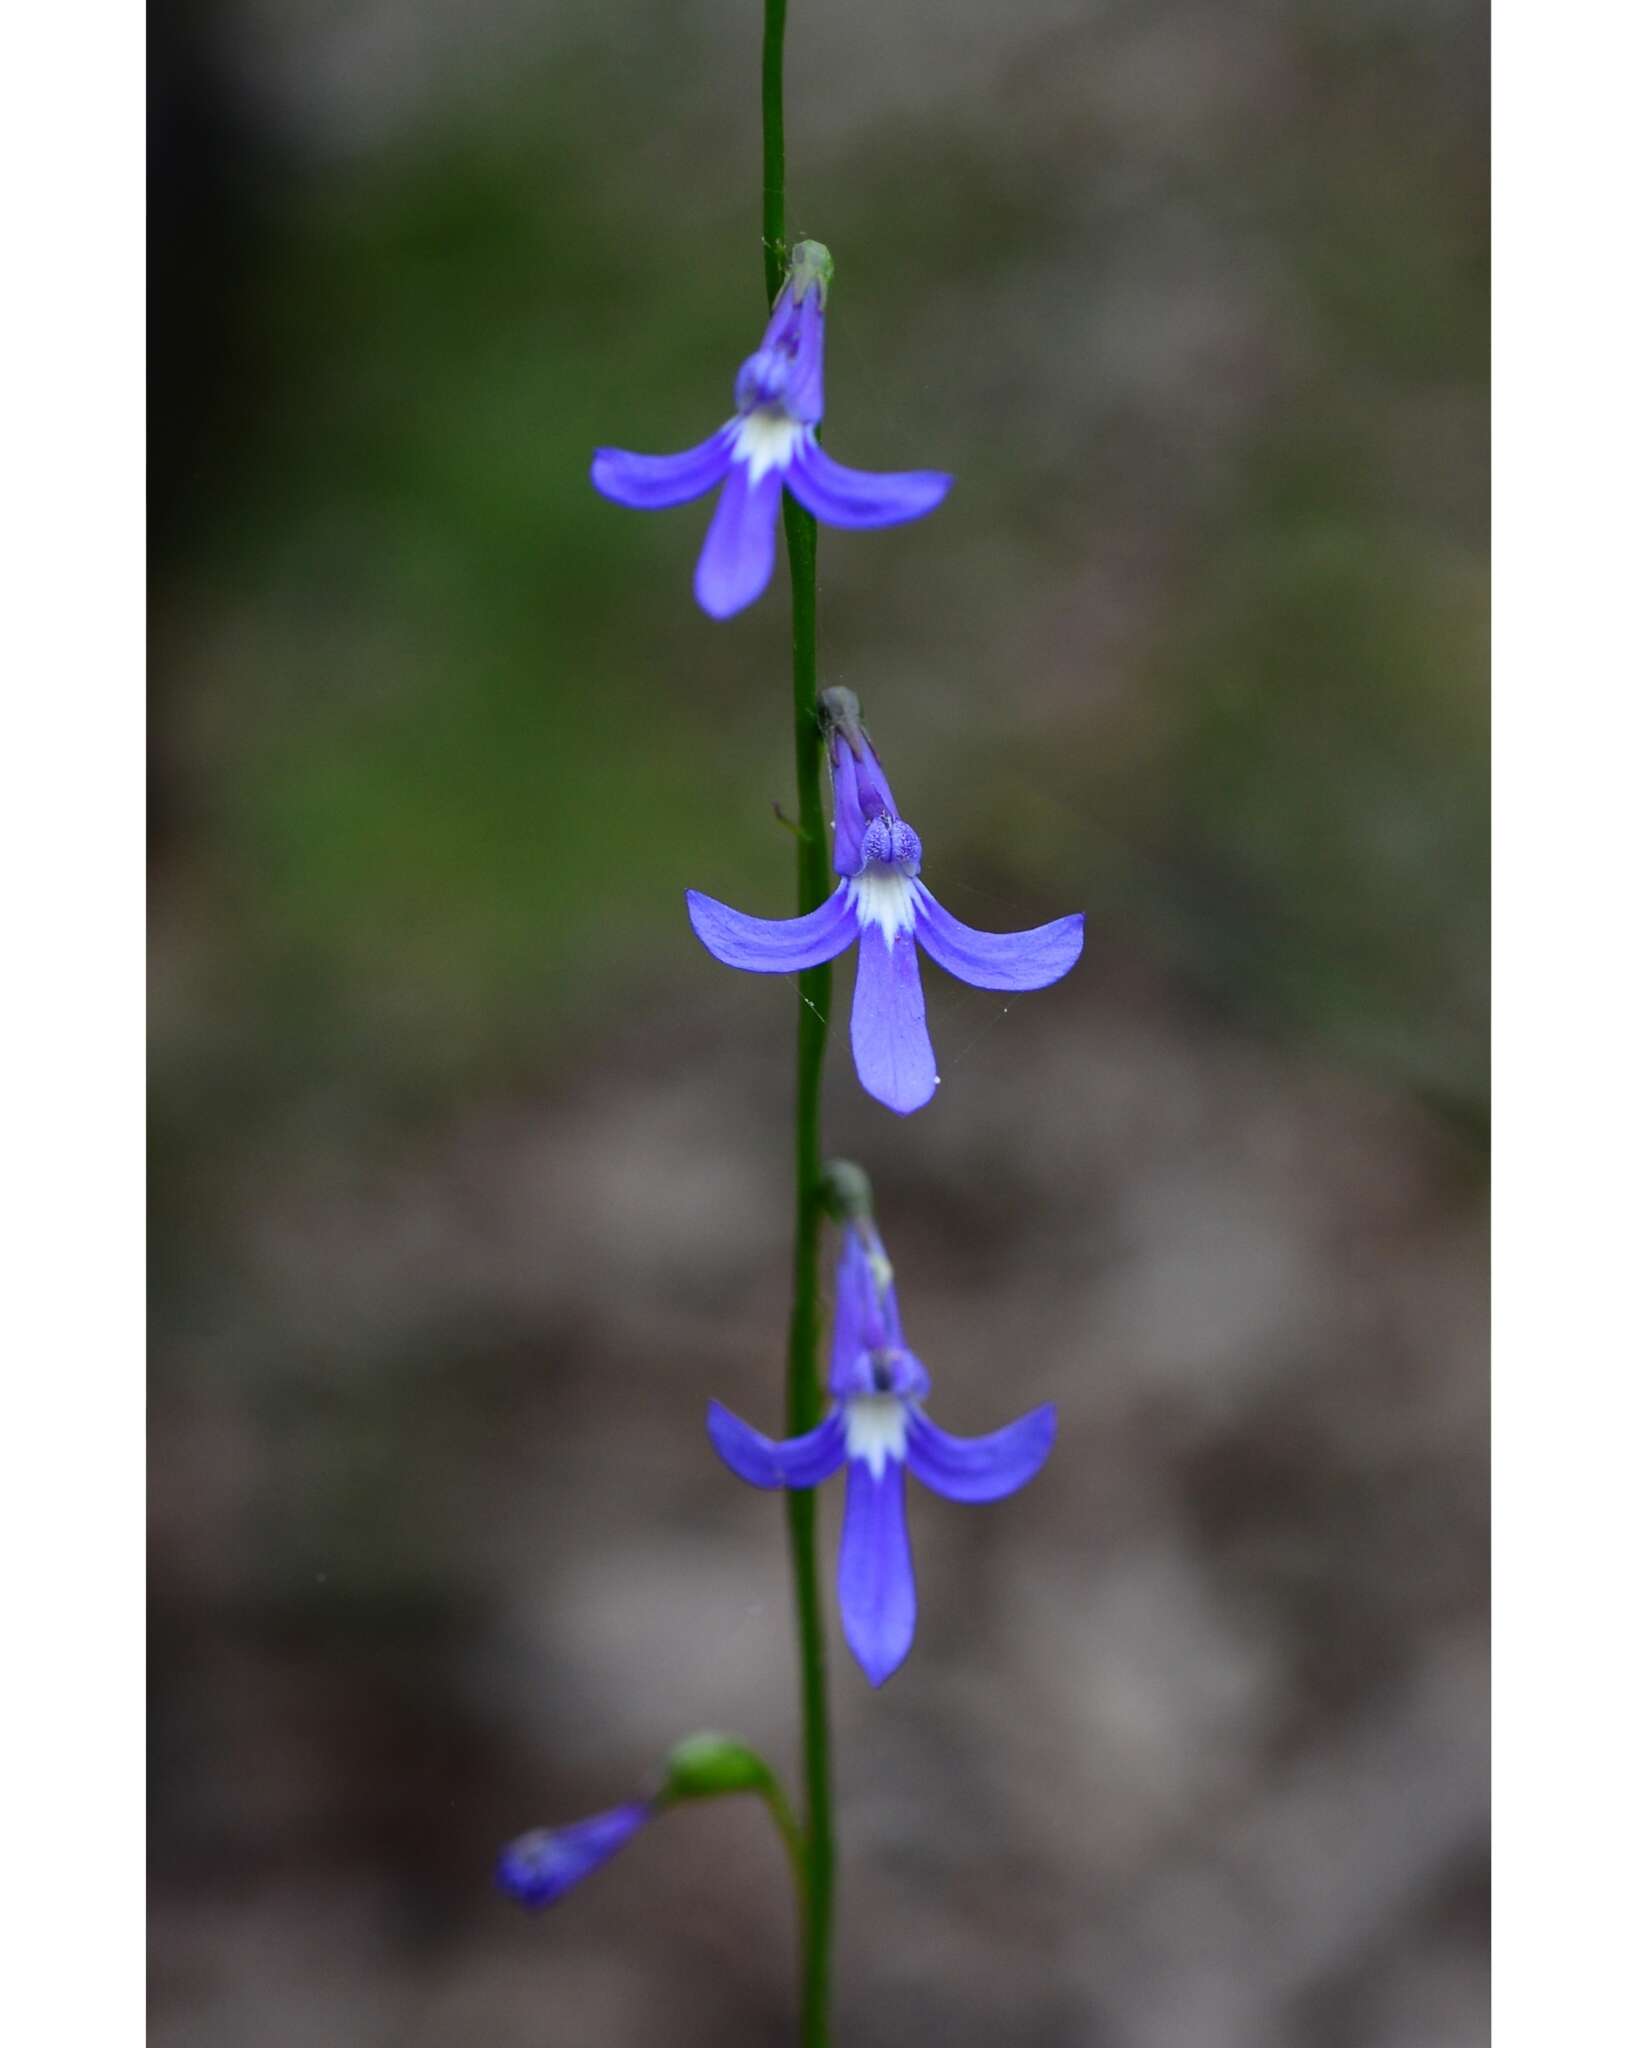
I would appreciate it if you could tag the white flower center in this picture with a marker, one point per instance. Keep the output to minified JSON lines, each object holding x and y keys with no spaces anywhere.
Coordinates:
{"x":875,"y":1430}
{"x":884,"y":896}
{"x":766,"y":439}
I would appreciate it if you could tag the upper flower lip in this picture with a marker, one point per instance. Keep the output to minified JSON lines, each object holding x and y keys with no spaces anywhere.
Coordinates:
{"x":788,"y":366}
{"x":858,"y":782}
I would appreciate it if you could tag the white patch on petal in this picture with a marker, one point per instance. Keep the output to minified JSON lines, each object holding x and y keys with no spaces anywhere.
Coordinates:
{"x":884,"y":896}
{"x":875,"y":1430}
{"x":766,"y":439}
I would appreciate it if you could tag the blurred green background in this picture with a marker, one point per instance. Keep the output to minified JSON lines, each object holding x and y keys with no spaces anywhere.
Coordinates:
{"x":470,"y":1168}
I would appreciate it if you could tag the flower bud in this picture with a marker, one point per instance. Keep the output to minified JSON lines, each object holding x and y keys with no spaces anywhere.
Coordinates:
{"x":538,"y":1868}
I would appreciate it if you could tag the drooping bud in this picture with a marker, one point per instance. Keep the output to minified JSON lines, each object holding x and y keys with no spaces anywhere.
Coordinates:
{"x":538,"y":1868}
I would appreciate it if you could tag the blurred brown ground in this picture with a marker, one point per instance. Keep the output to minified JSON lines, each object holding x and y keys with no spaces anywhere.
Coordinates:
{"x":470,"y":1170}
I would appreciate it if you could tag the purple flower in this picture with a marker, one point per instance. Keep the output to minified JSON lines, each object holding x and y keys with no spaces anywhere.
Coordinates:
{"x":770,"y":442}
{"x":882,"y":903}
{"x":878,"y":1426}
{"x":539,"y":1867}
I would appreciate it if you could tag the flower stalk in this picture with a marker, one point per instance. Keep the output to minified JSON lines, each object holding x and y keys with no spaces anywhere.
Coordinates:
{"x":712,"y":1766}
{"x":803,"y":1393}
{"x":768,"y":457}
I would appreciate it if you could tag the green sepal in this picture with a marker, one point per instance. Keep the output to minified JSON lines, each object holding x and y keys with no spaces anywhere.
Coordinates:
{"x":845,"y":1191}
{"x":811,"y":266}
{"x":708,"y":1766}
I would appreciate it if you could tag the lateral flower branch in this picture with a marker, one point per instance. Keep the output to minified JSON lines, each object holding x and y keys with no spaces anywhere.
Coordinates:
{"x":539,"y":1867}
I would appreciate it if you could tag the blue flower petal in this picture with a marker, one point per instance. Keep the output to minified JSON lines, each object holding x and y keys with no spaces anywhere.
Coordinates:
{"x":861,"y":497}
{"x":1004,"y":960}
{"x":976,"y":1468}
{"x":769,"y":1462}
{"x":857,"y":1314}
{"x":875,"y":1581}
{"x":855,"y":1302}
{"x":805,"y":400}
{"x":773,"y":945}
{"x":861,"y":795}
{"x":865,"y":1319}
{"x":738,"y":556}
{"x":794,"y":340}
{"x":891,"y":1049}
{"x":651,"y":483}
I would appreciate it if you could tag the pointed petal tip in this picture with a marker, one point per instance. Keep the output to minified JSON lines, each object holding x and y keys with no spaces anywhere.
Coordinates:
{"x":902,"y":1095}
{"x":717,"y":600}
{"x":879,"y":1671}
{"x":877,"y":1658}
{"x":699,"y":916}
{"x":907,"y":1106}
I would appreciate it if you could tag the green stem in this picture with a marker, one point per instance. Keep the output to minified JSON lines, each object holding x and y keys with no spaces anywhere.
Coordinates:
{"x":773,"y":146}
{"x":790,"y":1833}
{"x":803,"y":1398}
